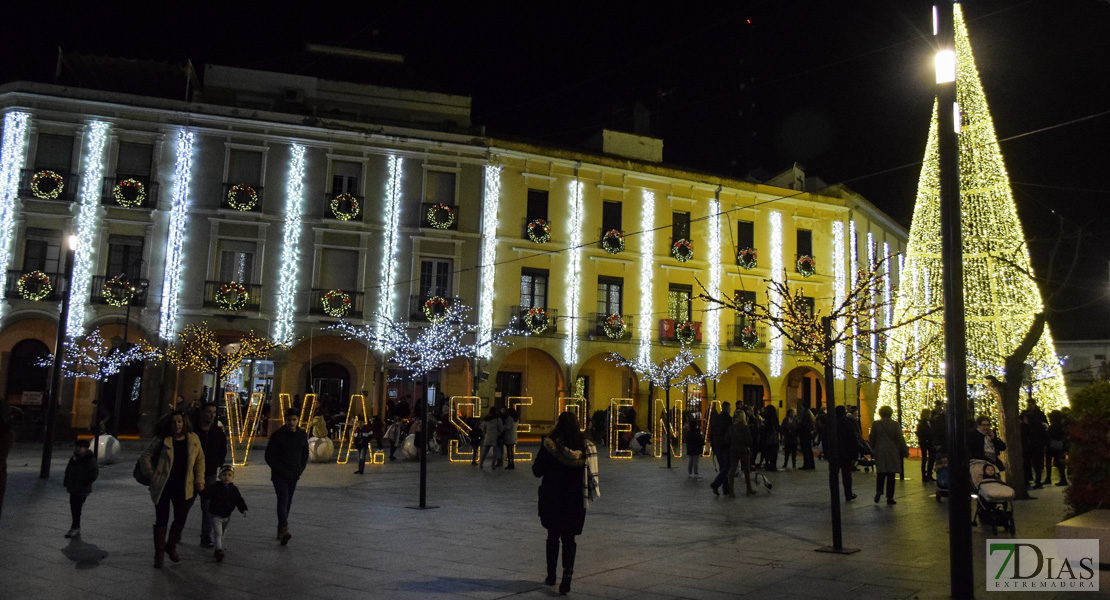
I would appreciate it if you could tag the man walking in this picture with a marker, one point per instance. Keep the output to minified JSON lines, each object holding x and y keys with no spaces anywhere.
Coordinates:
{"x":287,"y":455}
{"x":718,"y":441}
{"x":805,"y":436}
{"x":213,"y":442}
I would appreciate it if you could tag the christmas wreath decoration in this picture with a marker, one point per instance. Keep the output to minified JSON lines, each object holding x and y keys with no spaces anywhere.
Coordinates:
{"x":441,"y":216}
{"x":746,"y":258}
{"x":343,"y":306}
{"x":117,"y":291}
{"x":539,"y":231}
{"x":236,"y":191}
{"x":536,"y":320}
{"x":232,"y":296}
{"x":53,"y":188}
{"x":612,"y":241}
{"x":685,"y":332}
{"x":345,"y":200}
{"x":435,"y":308}
{"x":129,"y":193}
{"x":682,"y":250}
{"x":806,"y":266}
{"x":615,"y":326}
{"x":35,"y":286}
{"x":749,"y":337}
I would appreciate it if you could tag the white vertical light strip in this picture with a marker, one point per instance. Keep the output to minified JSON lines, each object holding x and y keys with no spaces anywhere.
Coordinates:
{"x":290,"y":248}
{"x":713,"y":317}
{"x":853,"y":267}
{"x":574,"y":274}
{"x":888,"y":306}
{"x":647,"y":264}
{"x":88,"y":217}
{"x":778,"y":276}
{"x":12,"y":155}
{"x":489,"y":257}
{"x":386,"y":304}
{"x":179,"y":215}
{"x":838,"y":292}
{"x":874,"y":319}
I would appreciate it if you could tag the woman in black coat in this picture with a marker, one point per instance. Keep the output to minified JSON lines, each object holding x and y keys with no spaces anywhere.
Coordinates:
{"x":983,"y":444}
{"x":562,"y":463}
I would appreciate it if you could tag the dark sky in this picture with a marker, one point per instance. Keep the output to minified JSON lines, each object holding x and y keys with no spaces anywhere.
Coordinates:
{"x":844,"y":88}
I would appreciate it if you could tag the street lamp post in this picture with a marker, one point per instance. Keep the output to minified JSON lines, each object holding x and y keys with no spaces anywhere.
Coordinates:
{"x":55,"y":395}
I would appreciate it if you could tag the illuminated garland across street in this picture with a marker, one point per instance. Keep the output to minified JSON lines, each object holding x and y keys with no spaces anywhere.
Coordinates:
{"x":88,"y":216}
{"x":178,"y":216}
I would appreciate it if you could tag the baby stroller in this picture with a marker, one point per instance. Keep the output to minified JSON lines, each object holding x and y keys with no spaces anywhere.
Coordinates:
{"x":941,"y":477}
{"x":992,"y":497}
{"x":758,"y":478}
{"x":865,"y":459}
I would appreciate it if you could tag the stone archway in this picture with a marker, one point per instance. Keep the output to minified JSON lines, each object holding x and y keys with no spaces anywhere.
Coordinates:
{"x":803,"y":386}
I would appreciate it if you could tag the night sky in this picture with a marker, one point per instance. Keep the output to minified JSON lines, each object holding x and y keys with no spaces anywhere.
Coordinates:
{"x":844,"y":88}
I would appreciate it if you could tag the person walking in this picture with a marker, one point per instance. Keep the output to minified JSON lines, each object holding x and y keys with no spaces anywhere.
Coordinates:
{"x":925,"y":444}
{"x":81,"y":472}
{"x":213,"y":441}
{"x":789,"y":433}
{"x":174,"y":462}
{"x":769,"y":438}
{"x":695,"y":445}
{"x":805,"y":437}
{"x":393,"y":434}
{"x":847,"y":446}
{"x":1034,"y":429}
{"x":491,"y":432}
{"x":224,"y":498}
{"x":1057,"y":448}
{"x":509,"y":419}
{"x":888,"y":446}
{"x":287,"y":456}
{"x":740,"y":452}
{"x":567,"y":462}
{"x":361,"y":442}
{"x":719,"y":424}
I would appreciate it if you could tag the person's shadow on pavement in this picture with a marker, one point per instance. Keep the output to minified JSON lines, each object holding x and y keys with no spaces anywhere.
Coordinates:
{"x":86,"y":556}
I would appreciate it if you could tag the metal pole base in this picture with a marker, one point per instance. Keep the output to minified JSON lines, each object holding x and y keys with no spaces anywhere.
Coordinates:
{"x":418,"y":507}
{"x":835,"y":550}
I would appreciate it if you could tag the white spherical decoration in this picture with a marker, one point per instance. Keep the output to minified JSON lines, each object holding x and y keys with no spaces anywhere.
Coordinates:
{"x":107,"y":450}
{"x":320,"y":449}
{"x":408,"y":448}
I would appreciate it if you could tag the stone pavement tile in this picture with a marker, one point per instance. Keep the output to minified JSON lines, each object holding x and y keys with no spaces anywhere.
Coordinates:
{"x":679,"y":588}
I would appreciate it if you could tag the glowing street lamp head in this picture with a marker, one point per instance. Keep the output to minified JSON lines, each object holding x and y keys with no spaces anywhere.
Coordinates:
{"x":946,"y":66}
{"x":73,"y":243}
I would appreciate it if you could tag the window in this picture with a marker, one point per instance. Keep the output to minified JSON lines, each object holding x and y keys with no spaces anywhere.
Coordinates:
{"x":743,"y":297}
{"x":54,"y":152}
{"x":679,"y":305}
{"x":745,"y":235}
{"x":680,"y":226}
{"x":439,"y":187}
{"x":435,"y":278}
{"x":805,"y":242}
{"x":345,"y":177}
{"x":533,"y":288}
{"x":338,"y":269}
{"x":134,"y":159}
{"x":537,"y":205}
{"x":43,"y":250}
{"x":610,"y":216}
{"x":809,"y":305}
{"x":244,"y":166}
{"x":610,"y":295}
{"x":236,"y":261}
{"x":125,"y":256}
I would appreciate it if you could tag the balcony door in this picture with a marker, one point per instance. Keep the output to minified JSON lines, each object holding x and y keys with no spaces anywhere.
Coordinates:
{"x":236,"y":261}
{"x":43,"y":250}
{"x":125,"y":256}
{"x":435,"y":278}
{"x":533,"y":288}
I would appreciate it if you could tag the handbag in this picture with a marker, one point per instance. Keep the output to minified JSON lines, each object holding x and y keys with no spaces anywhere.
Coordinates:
{"x":139,"y":474}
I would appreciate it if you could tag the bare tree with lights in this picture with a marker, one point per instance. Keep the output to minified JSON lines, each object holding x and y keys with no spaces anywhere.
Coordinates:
{"x":93,"y":357}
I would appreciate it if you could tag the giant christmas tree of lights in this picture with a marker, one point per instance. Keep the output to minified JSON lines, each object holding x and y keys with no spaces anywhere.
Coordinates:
{"x":1000,"y":300}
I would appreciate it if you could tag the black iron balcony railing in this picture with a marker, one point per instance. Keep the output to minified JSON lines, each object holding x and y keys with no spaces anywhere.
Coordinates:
{"x":416,"y":307}
{"x":130,"y":193}
{"x":34,"y":286}
{"x":343,"y":207}
{"x":614,"y":331}
{"x":242,"y":200}
{"x":232,"y":300}
{"x":439,"y":216}
{"x":744,"y":337}
{"x":344,"y":303}
{"x":99,"y":292}
{"x":47,"y":187}
{"x":521,"y":318}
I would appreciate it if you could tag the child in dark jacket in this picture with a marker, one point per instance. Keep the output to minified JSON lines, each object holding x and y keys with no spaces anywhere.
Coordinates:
{"x":224,"y":498}
{"x":81,"y":472}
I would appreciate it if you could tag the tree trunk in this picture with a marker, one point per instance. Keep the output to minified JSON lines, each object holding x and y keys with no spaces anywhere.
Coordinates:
{"x":1009,"y":394}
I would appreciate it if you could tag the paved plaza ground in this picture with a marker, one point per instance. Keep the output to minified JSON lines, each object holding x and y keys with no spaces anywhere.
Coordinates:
{"x":654,"y":533}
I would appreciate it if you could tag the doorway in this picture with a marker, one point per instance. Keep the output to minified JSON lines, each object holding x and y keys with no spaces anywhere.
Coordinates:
{"x":508,"y":384}
{"x":753,"y":396}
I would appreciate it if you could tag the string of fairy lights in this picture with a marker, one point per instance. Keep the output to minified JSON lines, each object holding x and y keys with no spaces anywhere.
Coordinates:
{"x":12,"y":156}
{"x":88,"y":219}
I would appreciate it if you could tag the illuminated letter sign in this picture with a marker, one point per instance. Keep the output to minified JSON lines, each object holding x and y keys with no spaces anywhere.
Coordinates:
{"x":521,"y":427}
{"x":575,"y":405}
{"x":355,"y":410}
{"x":240,"y":429}
{"x":457,"y":403}
{"x":660,"y":436}
{"x":616,"y":429}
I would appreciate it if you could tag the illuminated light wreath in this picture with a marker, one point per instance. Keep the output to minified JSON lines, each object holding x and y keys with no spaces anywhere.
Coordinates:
{"x":117,"y":291}
{"x":129,"y":193}
{"x":615,"y":327}
{"x":685,"y":332}
{"x":337,"y":204}
{"x":539,"y":231}
{"x":746,"y":258}
{"x":536,"y":320}
{"x":233,"y":197}
{"x":682,"y":250}
{"x":749,"y":337}
{"x":435,"y":308}
{"x":35,"y":286}
{"x":612,"y":241}
{"x":337,"y":310}
{"x":53,"y":191}
{"x":806,"y":266}
{"x":232,"y":296}
{"x":434,"y":216}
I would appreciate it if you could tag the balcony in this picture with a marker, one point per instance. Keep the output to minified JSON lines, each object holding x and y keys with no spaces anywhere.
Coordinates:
{"x":446,"y":220}
{"x":232,"y":302}
{"x":667,"y":330}
{"x":34,"y":288}
{"x":416,"y":307}
{"x":599,"y":327}
{"x":345,"y":210}
{"x":47,"y":187}
{"x":244,"y":200}
{"x":317,"y":304}
{"x":149,"y":189}
{"x":520,"y":315}
{"x":97,"y":291}
{"x":736,"y":339}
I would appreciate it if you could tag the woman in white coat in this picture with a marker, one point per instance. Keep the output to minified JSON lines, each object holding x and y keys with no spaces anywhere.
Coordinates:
{"x":492,"y":428}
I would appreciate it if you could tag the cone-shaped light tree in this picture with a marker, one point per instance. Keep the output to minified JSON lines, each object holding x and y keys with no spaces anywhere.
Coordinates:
{"x":1001,"y":300}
